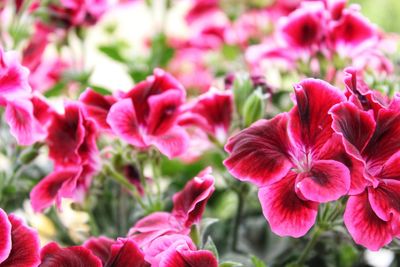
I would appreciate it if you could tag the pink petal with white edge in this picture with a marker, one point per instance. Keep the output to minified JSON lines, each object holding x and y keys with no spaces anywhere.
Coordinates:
{"x":327,"y":180}
{"x":287,"y":214}
{"x":260,"y":153}
{"x":23,"y":126}
{"x":25,"y":245}
{"x":5,"y":236}
{"x":172,"y":144}
{"x":122,"y":120}
{"x":366,"y":228}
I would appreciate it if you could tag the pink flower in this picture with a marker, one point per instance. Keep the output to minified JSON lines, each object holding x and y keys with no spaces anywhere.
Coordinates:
{"x":189,"y":205}
{"x":19,"y":244}
{"x":370,"y":131}
{"x":52,"y":255}
{"x":212,"y":112}
{"x":295,"y":159}
{"x":147,"y":115}
{"x":120,"y":253}
{"x":96,"y":107}
{"x":72,"y":146}
{"x":178,"y":250}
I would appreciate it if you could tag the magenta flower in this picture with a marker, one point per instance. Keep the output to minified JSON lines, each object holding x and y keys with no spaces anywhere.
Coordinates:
{"x":147,"y":115}
{"x":96,"y":107}
{"x":19,"y":244}
{"x":212,"y":112}
{"x":295,"y":159}
{"x":178,"y":250}
{"x":370,"y":134}
{"x":72,"y":146}
{"x":120,"y":253}
{"x":53,"y":255}
{"x":189,"y":205}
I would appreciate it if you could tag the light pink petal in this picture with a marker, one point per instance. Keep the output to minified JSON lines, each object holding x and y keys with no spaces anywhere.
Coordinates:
{"x":287,"y":214}
{"x":122,"y":120}
{"x":172,"y":144}
{"x":25,"y":245}
{"x":310,"y":123}
{"x":327,"y":180}
{"x":23,"y":125}
{"x":5,"y":236}
{"x":260,"y":153}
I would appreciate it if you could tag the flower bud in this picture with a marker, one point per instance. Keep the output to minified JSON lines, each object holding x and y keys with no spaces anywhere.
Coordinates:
{"x":253,"y":108}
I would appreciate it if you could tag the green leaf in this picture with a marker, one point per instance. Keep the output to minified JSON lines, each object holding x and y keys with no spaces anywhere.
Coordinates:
{"x":56,"y":90}
{"x":210,"y":245}
{"x":257,"y":262}
{"x":100,"y":90}
{"x":230,"y":52}
{"x":347,"y":256}
{"x":115,"y":50}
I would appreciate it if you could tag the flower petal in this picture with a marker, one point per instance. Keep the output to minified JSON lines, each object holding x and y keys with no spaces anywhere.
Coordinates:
{"x":5,"y":236}
{"x":25,"y":245}
{"x":60,"y":183}
{"x":259,"y":154}
{"x":189,"y":203}
{"x":125,"y":252}
{"x":100,"y":247}
{"x":385,"y":199}
{"x":172,"y":144}
{"x":287,"y":214}
{"x":366,"y":228}
{"x":53,"y":256}
{"x":122,"y":120}
{"x":327,"y":180}
{"x":310,"y":123}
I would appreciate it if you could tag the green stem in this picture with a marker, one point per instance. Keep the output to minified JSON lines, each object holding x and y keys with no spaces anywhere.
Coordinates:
{"x":237,"y":220}
{"x":310,"y":245}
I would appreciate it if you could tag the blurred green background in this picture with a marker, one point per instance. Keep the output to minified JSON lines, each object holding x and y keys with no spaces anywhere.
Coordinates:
{"x":385,"y":13}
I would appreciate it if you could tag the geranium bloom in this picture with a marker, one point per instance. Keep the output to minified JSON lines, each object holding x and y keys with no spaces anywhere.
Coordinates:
{"x":178,"y":250}
{"x":295,"y":159}
{"x":189,"y":205}
{"x":52,"y":255}
{"x":370,"y":134}
{"x":120,"y":253}
{"x":212,"y":112}
{"x":147,"y":115}
{"x":72,"y":146}
{"x":19,"y":244}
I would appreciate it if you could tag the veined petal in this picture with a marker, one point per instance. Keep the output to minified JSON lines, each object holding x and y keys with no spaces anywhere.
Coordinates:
{"x":366,"y":228}
{"x":354,"y":125}
{"x":310,"y":123}
{"x":125,"y":252}
{"x":385,"y":199}
{"x":260,"y":153}
{"x":100,"y":247}
{"x":54,"y":256}
{"x":327,"y":180}
{"x":25,"y":245}
{"x":287,"y":214}
{"x":5,"y":236}
{"x":122,"y":120}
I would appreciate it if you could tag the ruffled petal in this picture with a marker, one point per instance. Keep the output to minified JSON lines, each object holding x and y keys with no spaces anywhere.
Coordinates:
{"x":354,"y":125}
{"x":260,"y":153}
{"x":327,"y":180}
{"x":5,"y":236}
{"x":366,"y":228}
{"x":310,"y":123}
{"x":25,"y":245}
{"x":189,"y":204}
{"x":54,"y":256}
{"x":287,"y":214}
{"x":122,"y":120}
{"x":385,"y":200}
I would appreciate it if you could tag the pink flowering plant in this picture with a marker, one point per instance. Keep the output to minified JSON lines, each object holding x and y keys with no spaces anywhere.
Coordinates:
{"x":197,"y":134}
